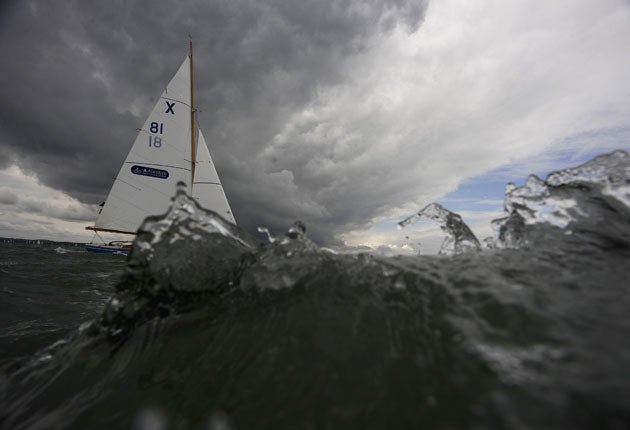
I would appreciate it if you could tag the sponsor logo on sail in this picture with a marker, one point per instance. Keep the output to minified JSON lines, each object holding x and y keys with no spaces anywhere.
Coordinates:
{"x":149,"y":171}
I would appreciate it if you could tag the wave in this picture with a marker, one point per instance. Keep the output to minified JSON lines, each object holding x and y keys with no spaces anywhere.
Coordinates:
{"x":459,"y":237}
{"x":210,"y":327}
{"x":591,"y":201}
{"x":62,"y":250}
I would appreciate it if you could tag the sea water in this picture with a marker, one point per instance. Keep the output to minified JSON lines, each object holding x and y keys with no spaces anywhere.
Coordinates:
{"x":205,"y":327}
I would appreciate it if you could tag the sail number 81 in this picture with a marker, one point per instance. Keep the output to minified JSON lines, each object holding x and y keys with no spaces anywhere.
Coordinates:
{"x":157,"y":128}
{"x":155,"y":141}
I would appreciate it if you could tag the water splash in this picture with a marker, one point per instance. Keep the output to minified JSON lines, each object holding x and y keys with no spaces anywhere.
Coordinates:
{"x":609,"y":173}
{"x":532,"y":337}
{"x":270,"y":237}
{"x":459,"y":236}
{"x":587,"y":200}
{"x":186,"y":219}
{"x":279,"y":265}
{"x":193,"y":252}
{"x":189,"y":250}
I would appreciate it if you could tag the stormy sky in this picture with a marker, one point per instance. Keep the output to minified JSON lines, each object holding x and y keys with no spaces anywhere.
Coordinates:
{"x":345,"y":114}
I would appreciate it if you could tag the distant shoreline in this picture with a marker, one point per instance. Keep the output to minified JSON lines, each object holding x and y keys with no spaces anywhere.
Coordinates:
{"x":40,"y":242}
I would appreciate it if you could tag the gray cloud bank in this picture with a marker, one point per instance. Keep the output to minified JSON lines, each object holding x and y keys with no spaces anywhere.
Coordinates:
{"x":332,"y":112}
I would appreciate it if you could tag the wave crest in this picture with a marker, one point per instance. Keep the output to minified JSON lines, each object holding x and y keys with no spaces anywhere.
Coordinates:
{"x":591,"y":202}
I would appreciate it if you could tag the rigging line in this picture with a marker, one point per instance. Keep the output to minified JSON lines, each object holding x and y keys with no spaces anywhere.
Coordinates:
{"x":141,"y":156}
{"x":125,"y":182}
{"x":122,"y":220}
{"x":175,"y":123}
{"x":155,"y":164}
{"x":175,"y":100}
{"x":208,"y":183}
{"x":148,"y":187}
{"x":114,"y":205}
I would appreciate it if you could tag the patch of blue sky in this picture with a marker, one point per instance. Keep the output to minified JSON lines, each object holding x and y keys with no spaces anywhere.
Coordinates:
{"x":479,"y":199}
{"x":487,"y":191}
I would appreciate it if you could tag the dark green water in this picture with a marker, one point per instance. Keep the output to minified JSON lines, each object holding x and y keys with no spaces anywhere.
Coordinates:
{"x":46,"y":292}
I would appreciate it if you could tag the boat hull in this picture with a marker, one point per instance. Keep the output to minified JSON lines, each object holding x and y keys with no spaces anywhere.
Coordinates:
{"x":107,"y":249}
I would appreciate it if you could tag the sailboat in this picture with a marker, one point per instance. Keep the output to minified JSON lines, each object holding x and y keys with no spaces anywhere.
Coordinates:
{"x":168,"y":149}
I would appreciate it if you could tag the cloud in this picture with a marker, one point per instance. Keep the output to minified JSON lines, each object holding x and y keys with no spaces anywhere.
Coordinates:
{"x":32,"y":210}
{"x":82,"y":76}
{"x":474,"y":88}
{"x":7,"y":197}
{"x":342,"y":114}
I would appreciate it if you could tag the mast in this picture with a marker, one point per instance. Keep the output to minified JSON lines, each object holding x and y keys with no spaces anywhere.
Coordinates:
{"x":192,"y":120}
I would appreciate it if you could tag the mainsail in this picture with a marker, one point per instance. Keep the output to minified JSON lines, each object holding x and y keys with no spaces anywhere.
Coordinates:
{"x":161,"y":156}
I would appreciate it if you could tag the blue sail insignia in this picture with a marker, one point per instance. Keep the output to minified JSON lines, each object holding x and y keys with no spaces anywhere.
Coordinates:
{"x":149,"y":171}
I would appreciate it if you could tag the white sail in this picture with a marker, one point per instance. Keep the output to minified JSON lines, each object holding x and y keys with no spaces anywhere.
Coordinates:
{"x":207,"y":188}
{"x":159,"y":158}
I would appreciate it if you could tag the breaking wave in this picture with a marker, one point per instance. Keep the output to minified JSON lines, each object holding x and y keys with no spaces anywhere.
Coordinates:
{"x":212,"y":329}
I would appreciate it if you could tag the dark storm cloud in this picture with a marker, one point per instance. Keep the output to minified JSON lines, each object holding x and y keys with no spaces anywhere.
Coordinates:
{"x":79,"y":77}
{"x":340,"y":113}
